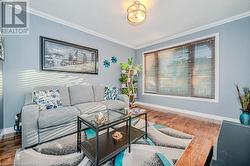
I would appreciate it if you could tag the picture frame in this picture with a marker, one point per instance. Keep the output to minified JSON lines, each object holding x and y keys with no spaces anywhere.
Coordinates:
{"x":63,"y":56}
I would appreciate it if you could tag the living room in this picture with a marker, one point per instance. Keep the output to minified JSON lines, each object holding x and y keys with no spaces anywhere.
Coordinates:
{"x":124,"y":82}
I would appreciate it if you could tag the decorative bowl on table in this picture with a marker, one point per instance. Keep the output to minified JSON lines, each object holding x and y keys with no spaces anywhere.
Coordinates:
{"x":117,"y":136}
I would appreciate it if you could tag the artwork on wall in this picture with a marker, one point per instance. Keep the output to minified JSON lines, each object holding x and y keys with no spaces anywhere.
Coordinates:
{"x":114,"y":59}
{"x":106,"y":63}
{"x":1,"y":48}
{"x":67,"y":57}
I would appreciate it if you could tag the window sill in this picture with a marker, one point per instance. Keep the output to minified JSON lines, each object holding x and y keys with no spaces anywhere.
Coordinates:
{"x":184,"y":98}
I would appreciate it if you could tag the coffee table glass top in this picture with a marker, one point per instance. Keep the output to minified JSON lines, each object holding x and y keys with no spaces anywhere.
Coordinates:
{"x":102,"y":147}
{"x":105,"y":117}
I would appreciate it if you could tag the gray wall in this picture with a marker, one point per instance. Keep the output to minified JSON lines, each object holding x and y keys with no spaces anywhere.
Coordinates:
{"x":1,"y":81}
{"x":1,"y":95}
{"x":21,"y":67}
{"x":234,"y":55}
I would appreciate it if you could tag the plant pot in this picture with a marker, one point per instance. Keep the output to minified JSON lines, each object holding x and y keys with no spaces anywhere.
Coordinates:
{"x":245,"y":118}
{"x":131,"y":99}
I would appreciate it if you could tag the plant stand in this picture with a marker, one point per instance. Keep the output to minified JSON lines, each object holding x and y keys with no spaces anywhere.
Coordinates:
{"x":129,"y":78}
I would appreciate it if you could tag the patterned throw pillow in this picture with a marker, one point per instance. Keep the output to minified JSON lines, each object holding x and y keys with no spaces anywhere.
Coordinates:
{"x":47,"y":99}
{"x":111,"y":93}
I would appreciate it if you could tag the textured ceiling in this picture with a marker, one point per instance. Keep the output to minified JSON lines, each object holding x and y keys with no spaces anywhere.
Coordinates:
{"x":165,"y":18}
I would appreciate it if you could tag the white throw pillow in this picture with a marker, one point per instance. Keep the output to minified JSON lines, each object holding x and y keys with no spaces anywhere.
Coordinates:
{"x":47,"y":99}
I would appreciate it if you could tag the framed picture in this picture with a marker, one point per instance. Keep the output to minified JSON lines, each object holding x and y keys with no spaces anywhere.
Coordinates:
{"x":67,"y":57}
{"x":1,"y":47}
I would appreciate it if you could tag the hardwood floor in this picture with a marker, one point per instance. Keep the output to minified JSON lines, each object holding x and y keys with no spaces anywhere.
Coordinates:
{"x":8,"y":146}
{"x":205,"y":135}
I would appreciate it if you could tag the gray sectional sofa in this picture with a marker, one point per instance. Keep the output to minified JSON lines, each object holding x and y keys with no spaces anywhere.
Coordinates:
{"x":41,"y":126}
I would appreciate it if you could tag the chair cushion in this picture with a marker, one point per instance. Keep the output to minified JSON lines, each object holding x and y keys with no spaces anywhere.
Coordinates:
{"x":88,"y":108}
{"x":58,"y":116}
{"x":99,"y":92}
{"x":115,"y":104}
{"x":81,"y":94}
{"x":64,"y":93}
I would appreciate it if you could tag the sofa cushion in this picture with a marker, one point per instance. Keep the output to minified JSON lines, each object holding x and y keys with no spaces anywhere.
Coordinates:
{"x":49,"y":133}
{"x":81,"y":94}
{"x":56,"y":117}
{"x":99,"y":92}
{"x":64,"y":93}
{"x":115,"y":104}
{"x":88,"y":108}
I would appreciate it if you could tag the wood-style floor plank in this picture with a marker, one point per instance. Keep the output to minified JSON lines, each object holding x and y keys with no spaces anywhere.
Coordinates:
{"x":205,"y":136}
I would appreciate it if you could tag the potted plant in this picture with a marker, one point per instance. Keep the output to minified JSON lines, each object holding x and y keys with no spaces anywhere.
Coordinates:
{"x":128,"y":79}
{"x":244,"y":99}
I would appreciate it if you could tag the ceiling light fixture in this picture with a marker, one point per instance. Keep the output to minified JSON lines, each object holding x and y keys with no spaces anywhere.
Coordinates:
{"x":136,"y":13}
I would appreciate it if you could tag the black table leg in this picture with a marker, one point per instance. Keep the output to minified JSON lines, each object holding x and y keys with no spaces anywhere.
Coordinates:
{"x":146,"y":126}
{"x":129,"y":139}
{"x":77,"y":139}
{"x":97,"y":148}
{"x":78,"y":135}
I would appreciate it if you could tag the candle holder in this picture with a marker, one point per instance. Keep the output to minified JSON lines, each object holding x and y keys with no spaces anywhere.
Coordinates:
{"x":100,"y":118}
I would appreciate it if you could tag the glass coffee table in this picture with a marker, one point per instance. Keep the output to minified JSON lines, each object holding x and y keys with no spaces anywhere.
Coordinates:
{"x":103,"y":147}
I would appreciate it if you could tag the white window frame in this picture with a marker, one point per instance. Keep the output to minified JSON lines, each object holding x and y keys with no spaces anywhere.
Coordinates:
{"x":216,"y":98}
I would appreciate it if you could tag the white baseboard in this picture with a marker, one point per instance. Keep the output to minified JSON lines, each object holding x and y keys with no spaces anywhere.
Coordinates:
{"x":210,"y":117}
{"x":6,"y":131}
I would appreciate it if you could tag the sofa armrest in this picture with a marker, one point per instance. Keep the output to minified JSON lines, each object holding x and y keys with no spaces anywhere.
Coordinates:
{"x":125,"y":99}
{"x":30,"y":114}
{"x":28,"y":99}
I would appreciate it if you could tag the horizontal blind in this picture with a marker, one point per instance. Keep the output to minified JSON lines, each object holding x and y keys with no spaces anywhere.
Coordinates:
{"x":173,"y":71}
{"x":150,"y":74}
{"x":185,"y":70}
{"x":203,"y":72}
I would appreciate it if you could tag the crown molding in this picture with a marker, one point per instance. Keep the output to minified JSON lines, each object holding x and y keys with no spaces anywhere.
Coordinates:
{"x":194,"y":30}
{"x":164,"y":39}
{"x":78,"y":27}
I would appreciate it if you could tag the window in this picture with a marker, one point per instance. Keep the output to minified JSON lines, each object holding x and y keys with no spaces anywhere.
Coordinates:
{"x":187,"y":70}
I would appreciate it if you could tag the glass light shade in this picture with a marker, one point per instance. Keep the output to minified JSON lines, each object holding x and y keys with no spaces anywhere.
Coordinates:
{"x":136,"y":13}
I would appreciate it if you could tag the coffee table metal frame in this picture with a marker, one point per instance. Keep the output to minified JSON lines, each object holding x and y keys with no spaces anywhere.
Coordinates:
{"x":127,"y":119}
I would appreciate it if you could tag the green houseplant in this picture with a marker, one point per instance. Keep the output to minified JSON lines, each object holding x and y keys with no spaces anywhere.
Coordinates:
{"x":244,"y":99}
{"x":129,"y":78}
